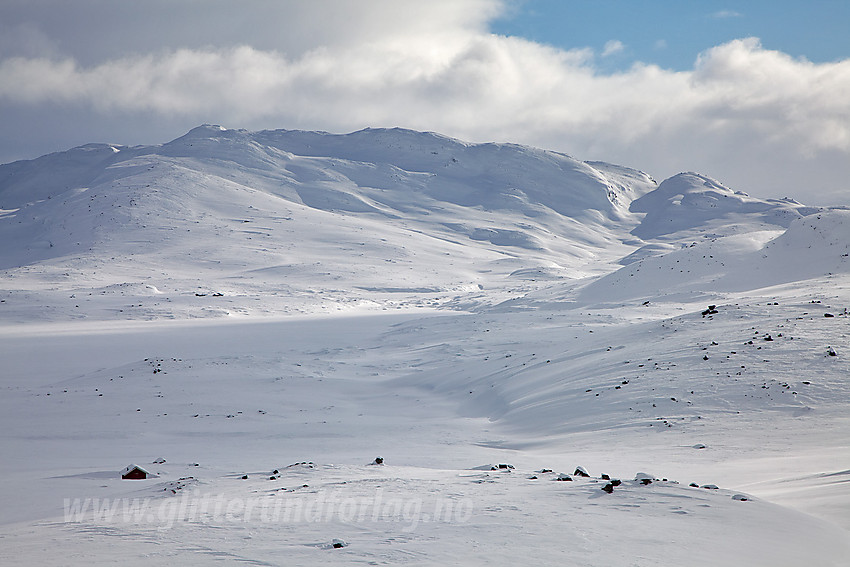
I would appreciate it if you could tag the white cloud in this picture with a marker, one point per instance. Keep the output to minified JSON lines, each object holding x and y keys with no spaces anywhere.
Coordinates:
{"x":612,"y":47}
{"x":756,"y":119}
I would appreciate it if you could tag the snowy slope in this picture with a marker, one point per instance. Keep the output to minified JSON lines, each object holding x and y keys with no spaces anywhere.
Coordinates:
{"x":233,"y":212}
{"x":814,"y":246}
{"x":286,"y":306}
{"x":691,"y":203}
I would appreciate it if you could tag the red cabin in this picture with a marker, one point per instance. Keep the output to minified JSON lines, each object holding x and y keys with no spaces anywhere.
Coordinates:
{"x":134,"y":472}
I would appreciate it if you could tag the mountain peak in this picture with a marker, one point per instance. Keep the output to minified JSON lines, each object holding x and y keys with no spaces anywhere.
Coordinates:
{"x":690,"y":202}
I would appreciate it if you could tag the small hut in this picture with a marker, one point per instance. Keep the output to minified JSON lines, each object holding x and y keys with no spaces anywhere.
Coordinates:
{"x":134,"y":472}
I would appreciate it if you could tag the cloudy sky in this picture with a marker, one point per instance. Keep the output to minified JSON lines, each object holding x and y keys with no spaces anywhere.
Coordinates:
{"x":755,"y":93}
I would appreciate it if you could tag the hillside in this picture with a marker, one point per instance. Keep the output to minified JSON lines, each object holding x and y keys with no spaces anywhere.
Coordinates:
{"x":254,"y":317}
{"x":230,"y":212}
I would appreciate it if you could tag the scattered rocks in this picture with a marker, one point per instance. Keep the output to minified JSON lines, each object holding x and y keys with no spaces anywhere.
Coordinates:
{"x":338,"y":544}
{"x":831,"y":351}
{"x":564,"y":478}
{"x":609,"y":488}
{"x":740,"y":497}
{"x":712,"y":310}
{"x":710,"y":487}
{"x":698,"y":446}
{"x":581,"y":471}
{"x":177,"y":485}
{"x":644,"y":478}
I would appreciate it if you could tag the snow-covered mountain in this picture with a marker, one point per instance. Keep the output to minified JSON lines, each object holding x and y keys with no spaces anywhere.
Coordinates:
{"x":228,"y":211}
{"x":254,"y":316}
{"x":381,"y":218}
{"x":693,"y":202}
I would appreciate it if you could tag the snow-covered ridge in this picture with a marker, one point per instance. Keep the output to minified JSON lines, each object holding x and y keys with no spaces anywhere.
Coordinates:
{"x":234,"y":212}
{"x":689,"y":201}
{"x":491,"y":176}
{"x":290,"y":208}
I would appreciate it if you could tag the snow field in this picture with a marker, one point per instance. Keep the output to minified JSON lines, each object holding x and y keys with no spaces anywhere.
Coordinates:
{"x":287,"y":306}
